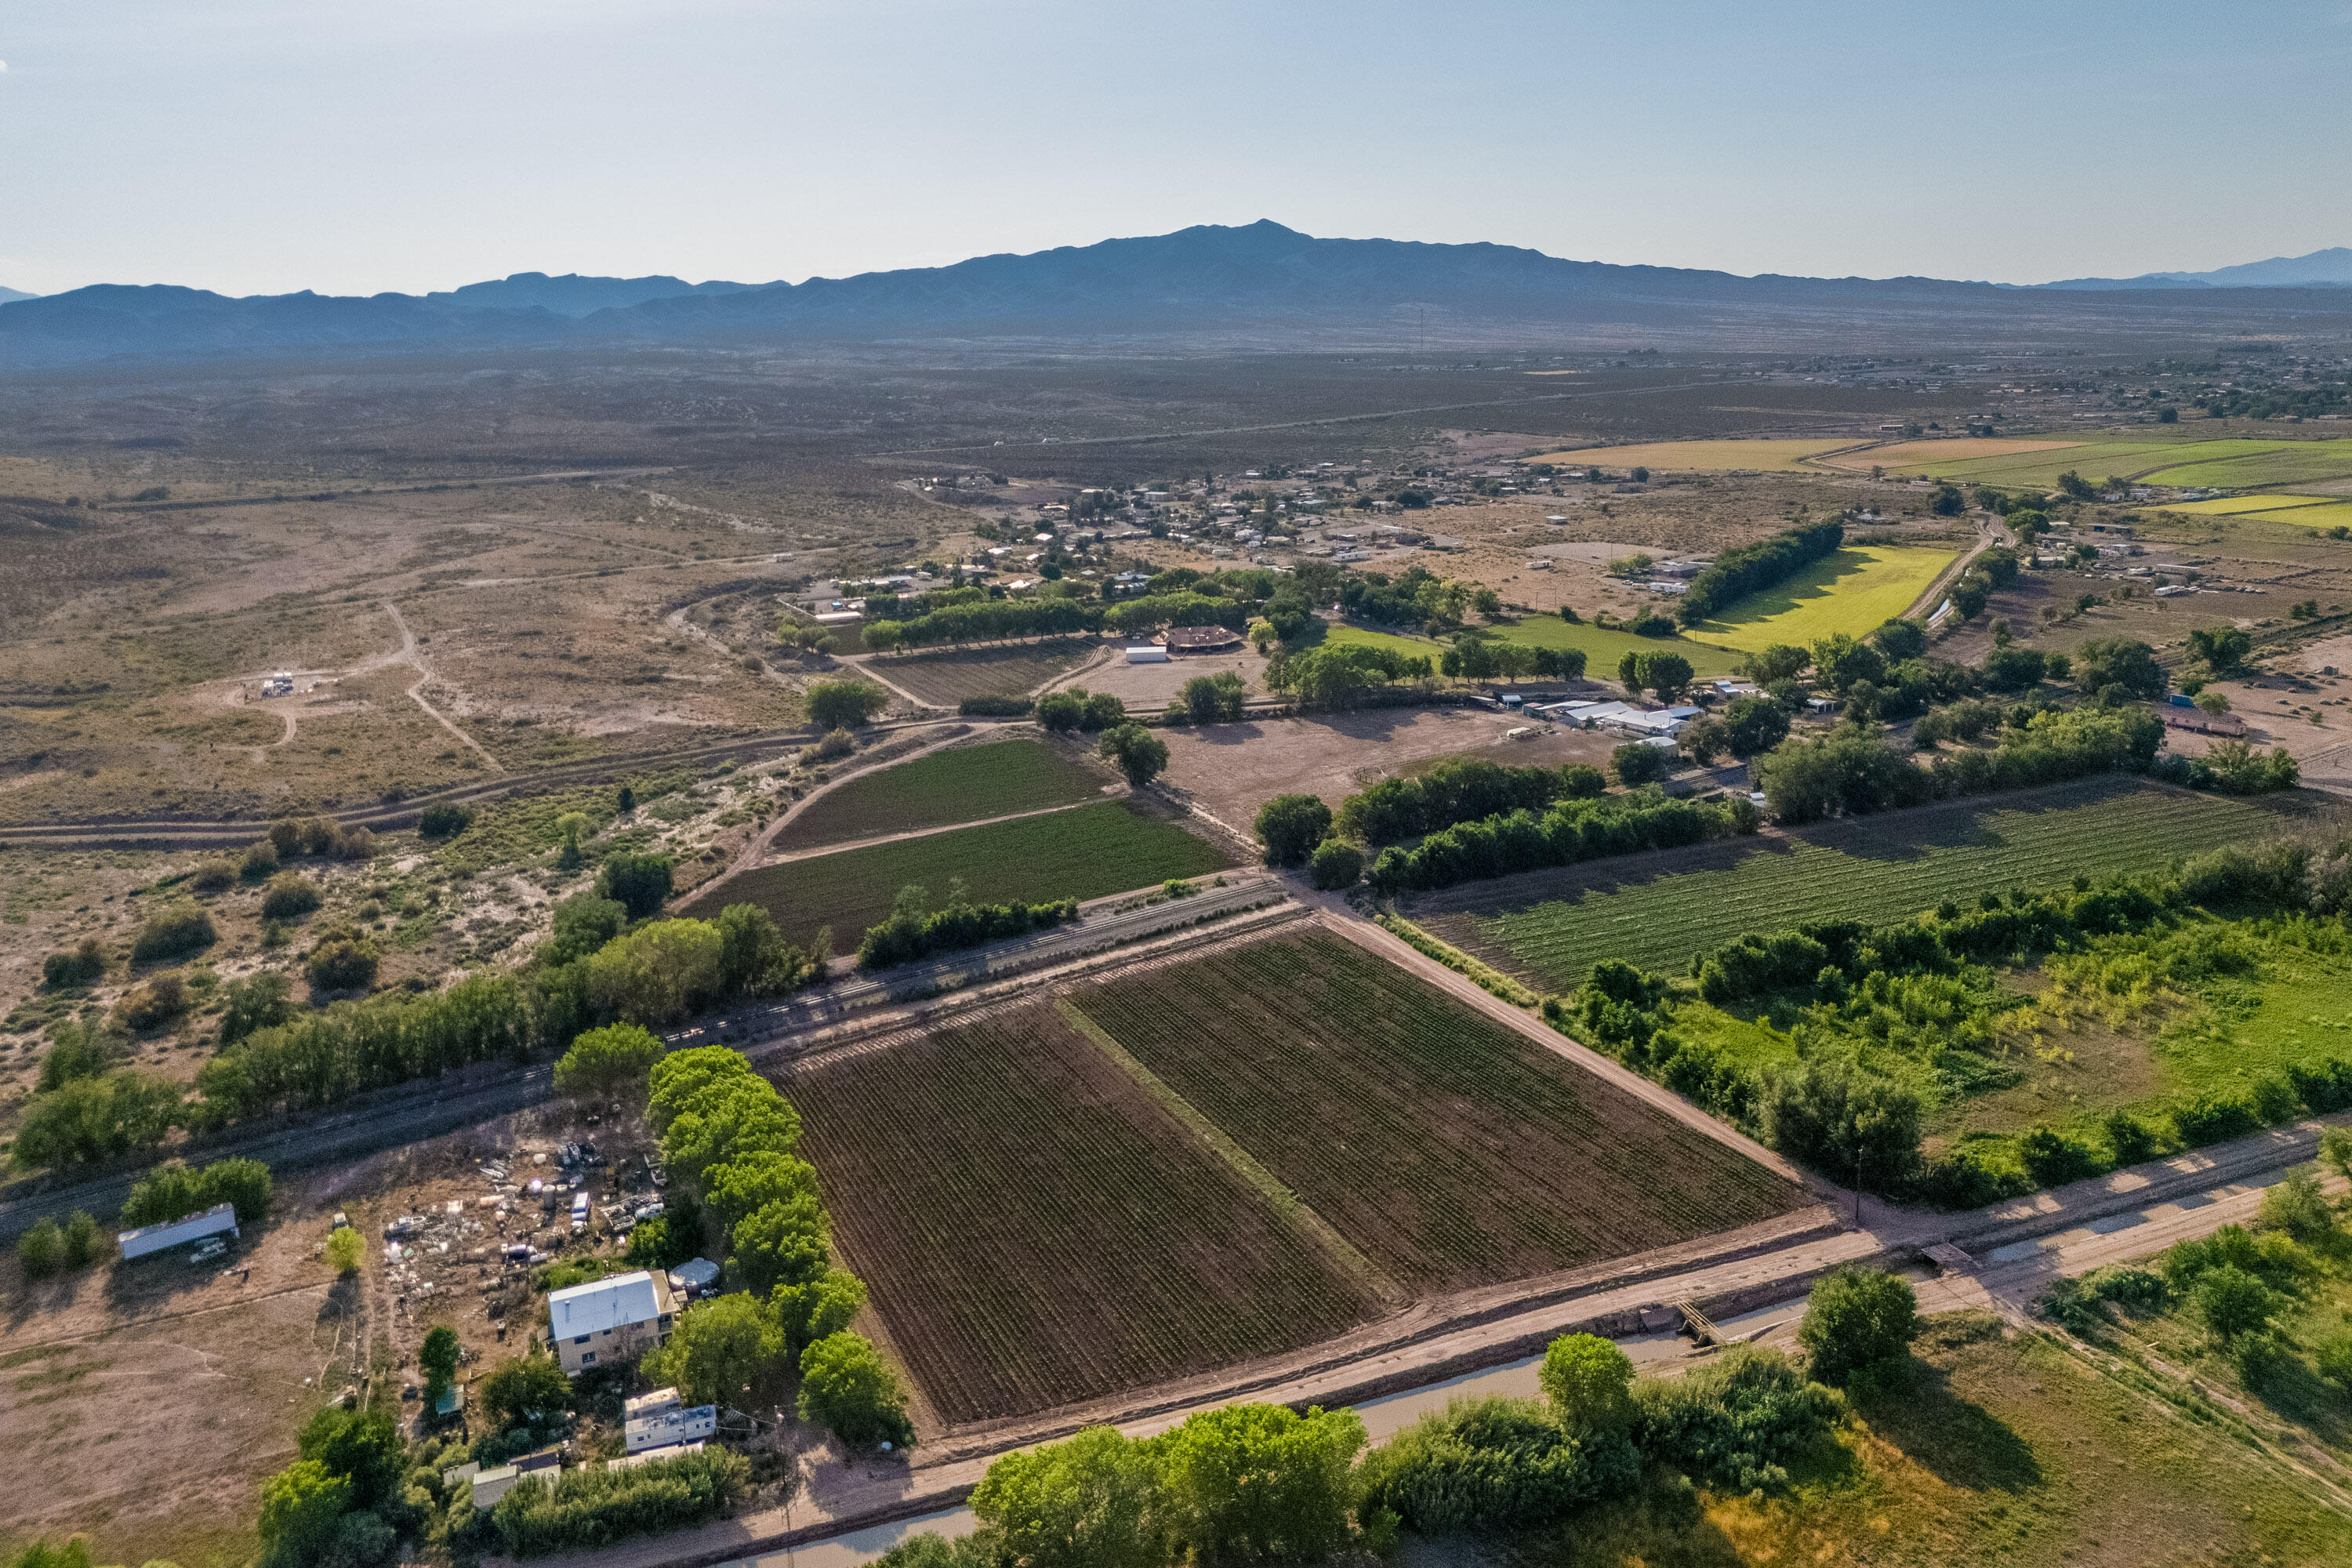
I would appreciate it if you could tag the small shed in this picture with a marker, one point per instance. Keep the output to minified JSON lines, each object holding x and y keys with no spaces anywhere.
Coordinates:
{"x":696,"y":1274}
{"x":1146,"y":656}
{"x":218,"y":1220}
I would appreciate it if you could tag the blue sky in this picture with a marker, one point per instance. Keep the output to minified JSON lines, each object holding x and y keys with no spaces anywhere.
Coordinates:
{"x":269,"y":145}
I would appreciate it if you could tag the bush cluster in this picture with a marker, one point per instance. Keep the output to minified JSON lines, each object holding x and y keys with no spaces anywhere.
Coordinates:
{"x":1463,"y":789}
{"x":591,"y":1506}
{"x":1572,"y":830}
{"x":910,"y":933}
{"x":175,"y":1191}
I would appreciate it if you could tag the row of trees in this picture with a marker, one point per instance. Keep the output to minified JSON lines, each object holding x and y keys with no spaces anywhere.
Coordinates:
{"x":1463,"y":789}
{"x":731,"y":1139}
{"x":1259,"y":1483}
{"x":1853,"y":772}
{"x":913,"y":933}
{"x":1570,"y":831}
{"x":1747,"y":568}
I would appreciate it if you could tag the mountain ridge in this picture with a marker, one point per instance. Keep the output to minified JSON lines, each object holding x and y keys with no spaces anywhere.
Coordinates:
{"x":1258,"y":278}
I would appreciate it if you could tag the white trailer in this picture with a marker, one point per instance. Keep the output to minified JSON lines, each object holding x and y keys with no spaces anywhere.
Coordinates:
{"x":218,"y":1220}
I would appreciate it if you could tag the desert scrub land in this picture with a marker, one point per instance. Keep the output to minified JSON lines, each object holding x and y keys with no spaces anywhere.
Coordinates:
{"x":1450,"y":1149}
{"x":1086,"y":852}
{"x":1037,"y":1230}
{"x":1657,"y":911}
{"x":964,"y":784}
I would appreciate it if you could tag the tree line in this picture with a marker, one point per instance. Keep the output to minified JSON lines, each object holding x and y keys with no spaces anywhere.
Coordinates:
{"x":1748,"y":568}
{"x":1263,"y":1483}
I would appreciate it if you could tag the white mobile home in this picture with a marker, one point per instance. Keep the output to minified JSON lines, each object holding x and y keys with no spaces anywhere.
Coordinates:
{"x":218,"y":1220}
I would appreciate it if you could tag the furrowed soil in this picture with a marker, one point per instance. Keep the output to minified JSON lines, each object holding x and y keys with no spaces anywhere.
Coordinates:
{"x":1037,"y":1230}
{"x":964,"y":783}
{"x":1086,"y":852}
{"x":947,"y":679}
{"x":1453,"y":1151}
{"x":1655,"y":911}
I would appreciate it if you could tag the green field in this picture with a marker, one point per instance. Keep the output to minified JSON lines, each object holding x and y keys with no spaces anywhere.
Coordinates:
{"x":1339,"y":634}
{"x":1853,"y":591}
{"x":1657,"y":911}
{"x":1085,"y":852}
{"x":2094,"y":461}
{"x":965,"y":784}
{"x":946,"y":677}
{"x":2241,"y":506}
{"x":2268,"y":463}
{"x":1603,"y":648}
{"x":1781,"y":456}
{"x":1450,"y":1149}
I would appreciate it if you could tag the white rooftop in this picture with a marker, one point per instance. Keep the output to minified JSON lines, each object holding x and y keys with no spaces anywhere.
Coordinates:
{"x":602,"y":1305}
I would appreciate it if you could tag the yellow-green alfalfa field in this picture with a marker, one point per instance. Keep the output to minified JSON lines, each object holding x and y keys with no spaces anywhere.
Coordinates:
{"x":1852,"y":591}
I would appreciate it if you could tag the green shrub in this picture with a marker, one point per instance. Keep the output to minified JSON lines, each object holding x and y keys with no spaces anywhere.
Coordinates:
{"x":261,"y":861}
{"x":41,"y":1250}
{"x":343,"y":961}
{"x":844,"y":704}
{"x":1733,"y":1424}
{"x":1856,"y":1318}
{"x":640,"y":883}
{"x":444,"y":819}
{"x":994,"y":707}
{"x":290,"y":896}
{"x":84,"y":965}
{"x":1290,"y":827}
{"x":1494,"y":1464}
{"x":1639,"y":764}
{"x":1338,"y":864}
{"x":846,"y":1389}
{"x":174,"y":1190}
{"x":212,"y":876}
{"x":595,"y":1505}
{"x":173,"y":931}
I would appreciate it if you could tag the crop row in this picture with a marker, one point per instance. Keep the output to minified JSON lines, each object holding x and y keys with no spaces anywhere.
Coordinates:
{"x":1036,"y":1231}
{"x":964,"y":783}
{"x":1451,"y":1150}
{"x":1085,"y":852}
{"x":947,"y":679}
{"x":1551,"y":927}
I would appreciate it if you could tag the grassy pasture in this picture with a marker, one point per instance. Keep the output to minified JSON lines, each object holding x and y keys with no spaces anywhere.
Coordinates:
{"x":1450,"y":1149}
{"x":1657,"y":911}
{"x":2263,"y":463}
{"x":1339,"y":634}
{"x":964,"y":783}
{"x":1852,"y":591}
{"x":1036,"y":1230}
{"x":948,"y":677}
{"x":1085,"y":852}
{"x":1711,"y":456}
{"x":1603,"y":648}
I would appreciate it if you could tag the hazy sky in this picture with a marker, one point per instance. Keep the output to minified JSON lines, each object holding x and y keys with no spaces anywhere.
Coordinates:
{"x":356,"y":145}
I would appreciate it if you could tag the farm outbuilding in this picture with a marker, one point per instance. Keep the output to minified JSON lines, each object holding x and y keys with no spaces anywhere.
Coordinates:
{"x":218,"y":1220}
{"x":1146,"y":656}
{"x":1202,"y":639}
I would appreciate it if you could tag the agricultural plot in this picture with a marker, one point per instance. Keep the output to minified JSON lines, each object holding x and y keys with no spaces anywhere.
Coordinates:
{"x":1085,"y":852}
{"x":964,"y":783}
{"x":2266,"y":463}
{"x":1036,"y":1230}
{"x":1603,"y":648}
{"x":946,"y":677}
{"x":1657,"y":911}
{"x":1910,"y":457}
{"x":1711,"y":456}
{"x":2243,"y":506}
{"x":1852,"y":591}
{"x":1448,"y":1148}
{"x":2093,"y":460}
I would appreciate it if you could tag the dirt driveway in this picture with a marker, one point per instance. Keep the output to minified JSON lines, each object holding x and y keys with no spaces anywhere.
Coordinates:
{"x":1233,"y":769}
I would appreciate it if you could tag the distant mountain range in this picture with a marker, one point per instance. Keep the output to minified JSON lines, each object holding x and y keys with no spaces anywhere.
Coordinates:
{"x":1261,"y":283}
{"x":2320,"y":269}
{"x":8,"y":296}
